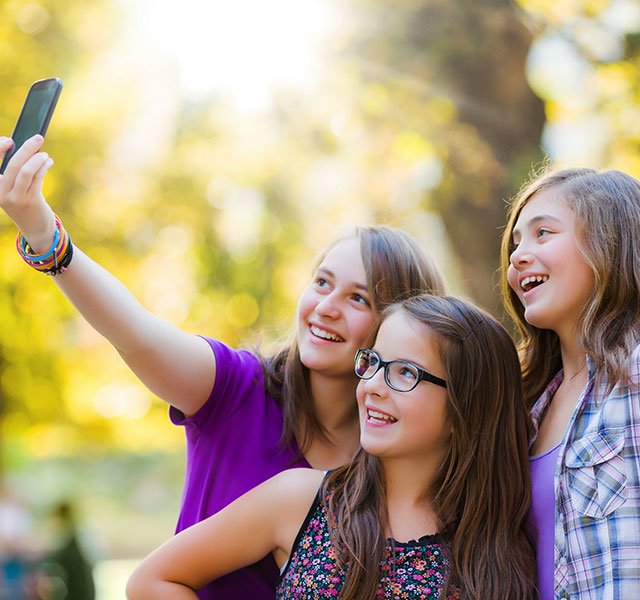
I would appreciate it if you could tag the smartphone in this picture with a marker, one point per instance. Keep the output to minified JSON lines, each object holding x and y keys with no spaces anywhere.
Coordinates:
{"x":36,"y":113}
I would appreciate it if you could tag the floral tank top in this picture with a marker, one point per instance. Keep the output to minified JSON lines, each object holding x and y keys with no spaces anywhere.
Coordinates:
{"x":414,"y":570}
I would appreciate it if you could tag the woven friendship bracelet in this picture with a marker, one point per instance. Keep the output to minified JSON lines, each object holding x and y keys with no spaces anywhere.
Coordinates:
{"x":56,"y":259}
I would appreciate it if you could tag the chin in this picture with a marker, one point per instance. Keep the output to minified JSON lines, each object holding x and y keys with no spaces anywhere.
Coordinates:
{"x":539,"y":323}
{"x":535,"y":319}
{"x":371,"y":450}
{"x":372,"y":447}
{"x":309,"y":356}
{"x":312,"y":364}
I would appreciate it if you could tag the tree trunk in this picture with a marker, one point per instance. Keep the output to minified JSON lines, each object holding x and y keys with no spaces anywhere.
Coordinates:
{"x":473,"y":53}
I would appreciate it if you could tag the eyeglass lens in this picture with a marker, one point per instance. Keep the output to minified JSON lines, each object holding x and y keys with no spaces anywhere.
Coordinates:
{"x":399,"y":375}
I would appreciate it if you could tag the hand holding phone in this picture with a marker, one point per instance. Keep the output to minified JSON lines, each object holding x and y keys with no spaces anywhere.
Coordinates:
{"x":35,"y":115}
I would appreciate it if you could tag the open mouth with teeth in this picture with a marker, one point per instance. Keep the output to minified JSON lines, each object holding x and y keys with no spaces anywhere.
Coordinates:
{"x":379,"y":418}
{"x":325,"y":335}
{"x":528,"y":283}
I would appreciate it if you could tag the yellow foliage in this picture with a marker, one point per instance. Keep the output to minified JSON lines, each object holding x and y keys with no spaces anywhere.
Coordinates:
{"x":242,"y":310}
{"x":212,"y":215}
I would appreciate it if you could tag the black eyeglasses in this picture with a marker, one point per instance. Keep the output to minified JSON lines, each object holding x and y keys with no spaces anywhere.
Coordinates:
{"x":399,"y":375}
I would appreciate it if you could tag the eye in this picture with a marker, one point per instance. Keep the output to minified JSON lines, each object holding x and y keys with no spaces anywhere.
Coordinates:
{"x":360,"y":299}
{"x":320,"y":282}
{"x":542,"y":232}
{"x":407,"y":372}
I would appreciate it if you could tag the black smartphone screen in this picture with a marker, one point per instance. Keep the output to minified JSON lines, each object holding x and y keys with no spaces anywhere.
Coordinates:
{"x":36,"y":113}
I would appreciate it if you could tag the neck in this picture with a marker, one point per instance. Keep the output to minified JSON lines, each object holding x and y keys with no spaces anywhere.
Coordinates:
{"x":574,"y":357}
{"x":334,"y":399}
{"x":409,"y":510}
{"x":409,"y":480}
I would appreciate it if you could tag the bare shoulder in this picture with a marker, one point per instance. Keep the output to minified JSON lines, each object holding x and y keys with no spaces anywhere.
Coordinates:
{"x":285,"y":495}
{"x":292,"y":492}
{"x":297,"y":485}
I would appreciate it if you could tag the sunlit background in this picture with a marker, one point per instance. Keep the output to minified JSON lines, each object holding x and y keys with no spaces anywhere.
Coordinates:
{"x":206,"y":151}
{"x":243,"y":49}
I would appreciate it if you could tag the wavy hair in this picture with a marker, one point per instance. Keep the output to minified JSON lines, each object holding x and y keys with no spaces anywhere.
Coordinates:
{"x":606,"y":205}
{"x":481,"y":495}
{"x":396,"y":268}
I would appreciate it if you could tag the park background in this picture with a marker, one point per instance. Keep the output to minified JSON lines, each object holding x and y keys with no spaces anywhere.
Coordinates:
{"x":206,"y":150}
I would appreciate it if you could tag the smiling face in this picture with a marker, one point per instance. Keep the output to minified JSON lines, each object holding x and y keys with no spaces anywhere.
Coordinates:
{"x":410,"y":424}
{"x":547,"y":271}
{"x":335,"y":316}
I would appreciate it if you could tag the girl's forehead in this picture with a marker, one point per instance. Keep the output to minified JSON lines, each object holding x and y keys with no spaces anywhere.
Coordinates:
{"x":547,"y":203}
{"x":349,"y":246}
{"x":400,"y":325}
{"x":403,"y":337}
{"x":344,"y":261}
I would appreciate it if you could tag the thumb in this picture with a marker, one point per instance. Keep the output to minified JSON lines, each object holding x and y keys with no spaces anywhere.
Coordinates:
{"x":6,"y":143}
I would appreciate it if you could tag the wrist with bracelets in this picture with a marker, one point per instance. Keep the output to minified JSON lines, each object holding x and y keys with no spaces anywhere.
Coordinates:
{"x":56,"y":259}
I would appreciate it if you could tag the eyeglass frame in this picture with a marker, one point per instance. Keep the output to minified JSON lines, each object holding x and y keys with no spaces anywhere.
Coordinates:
{"x":423,"y":375}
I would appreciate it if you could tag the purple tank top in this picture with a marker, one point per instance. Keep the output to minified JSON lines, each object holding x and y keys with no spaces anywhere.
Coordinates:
{"x":540,"y":520}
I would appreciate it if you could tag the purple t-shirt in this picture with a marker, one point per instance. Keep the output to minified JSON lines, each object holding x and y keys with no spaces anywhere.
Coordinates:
{"x":541,"y":520}
{"x":233,"y":444}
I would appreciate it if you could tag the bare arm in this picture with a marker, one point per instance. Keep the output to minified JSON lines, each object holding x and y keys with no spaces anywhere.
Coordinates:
{"x":266,"y":519}
{"x":176,"y":366}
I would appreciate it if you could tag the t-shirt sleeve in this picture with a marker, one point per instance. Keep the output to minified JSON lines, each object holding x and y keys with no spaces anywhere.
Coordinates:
{"x":238,"y":374}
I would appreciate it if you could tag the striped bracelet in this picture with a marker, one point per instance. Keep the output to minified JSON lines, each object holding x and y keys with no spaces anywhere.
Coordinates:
{"x":56,"y":259}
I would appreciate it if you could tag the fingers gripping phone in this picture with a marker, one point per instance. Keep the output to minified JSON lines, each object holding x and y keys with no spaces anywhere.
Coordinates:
{"x":35,"y":115}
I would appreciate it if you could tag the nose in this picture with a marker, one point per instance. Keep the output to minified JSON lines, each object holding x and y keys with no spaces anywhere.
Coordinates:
{"x":329,"y":306}
{"x":377,"y":385}
{"x":521,"y":256}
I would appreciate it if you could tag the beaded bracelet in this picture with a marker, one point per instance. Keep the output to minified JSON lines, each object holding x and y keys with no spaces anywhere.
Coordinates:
{"x":56,"y":259}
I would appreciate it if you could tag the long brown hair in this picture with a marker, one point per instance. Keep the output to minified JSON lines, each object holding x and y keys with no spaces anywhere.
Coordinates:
{"x":606,"y":205}
{"x":396,"y":268}
{"x":481,"y":494}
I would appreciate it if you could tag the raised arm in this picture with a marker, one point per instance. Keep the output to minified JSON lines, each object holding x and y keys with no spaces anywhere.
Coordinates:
{"x":266,"y":519}
{"x":176,"y":366}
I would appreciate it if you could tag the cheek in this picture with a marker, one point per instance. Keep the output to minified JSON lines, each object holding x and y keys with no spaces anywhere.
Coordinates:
{"x":512,"y":278}
{"x":361,"y":327}
{"x":360,"y":392}
{"x":360,"y":397}
{"x":306,"y":303}
{"x":586,"y":278}
{"x":433,"y":411}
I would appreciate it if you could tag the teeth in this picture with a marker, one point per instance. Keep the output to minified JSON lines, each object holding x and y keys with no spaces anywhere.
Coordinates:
{"x":325,"y":335}
{"x":378,"y":416}
{"x":528,"y":282}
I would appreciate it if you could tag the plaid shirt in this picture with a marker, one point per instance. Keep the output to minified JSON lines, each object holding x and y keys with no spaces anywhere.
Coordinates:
{"x":597,"y":482}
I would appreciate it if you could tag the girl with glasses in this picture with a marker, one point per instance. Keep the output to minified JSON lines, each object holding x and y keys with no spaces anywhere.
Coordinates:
{"x":571,"y":281}
{"x":431,"y":507}
{"x":246,"y":417}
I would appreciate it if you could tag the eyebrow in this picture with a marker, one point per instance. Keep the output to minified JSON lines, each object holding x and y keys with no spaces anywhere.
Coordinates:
{"x":411,"y":361}
{"x":331,"y":274}
{"x":537,"y":219}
